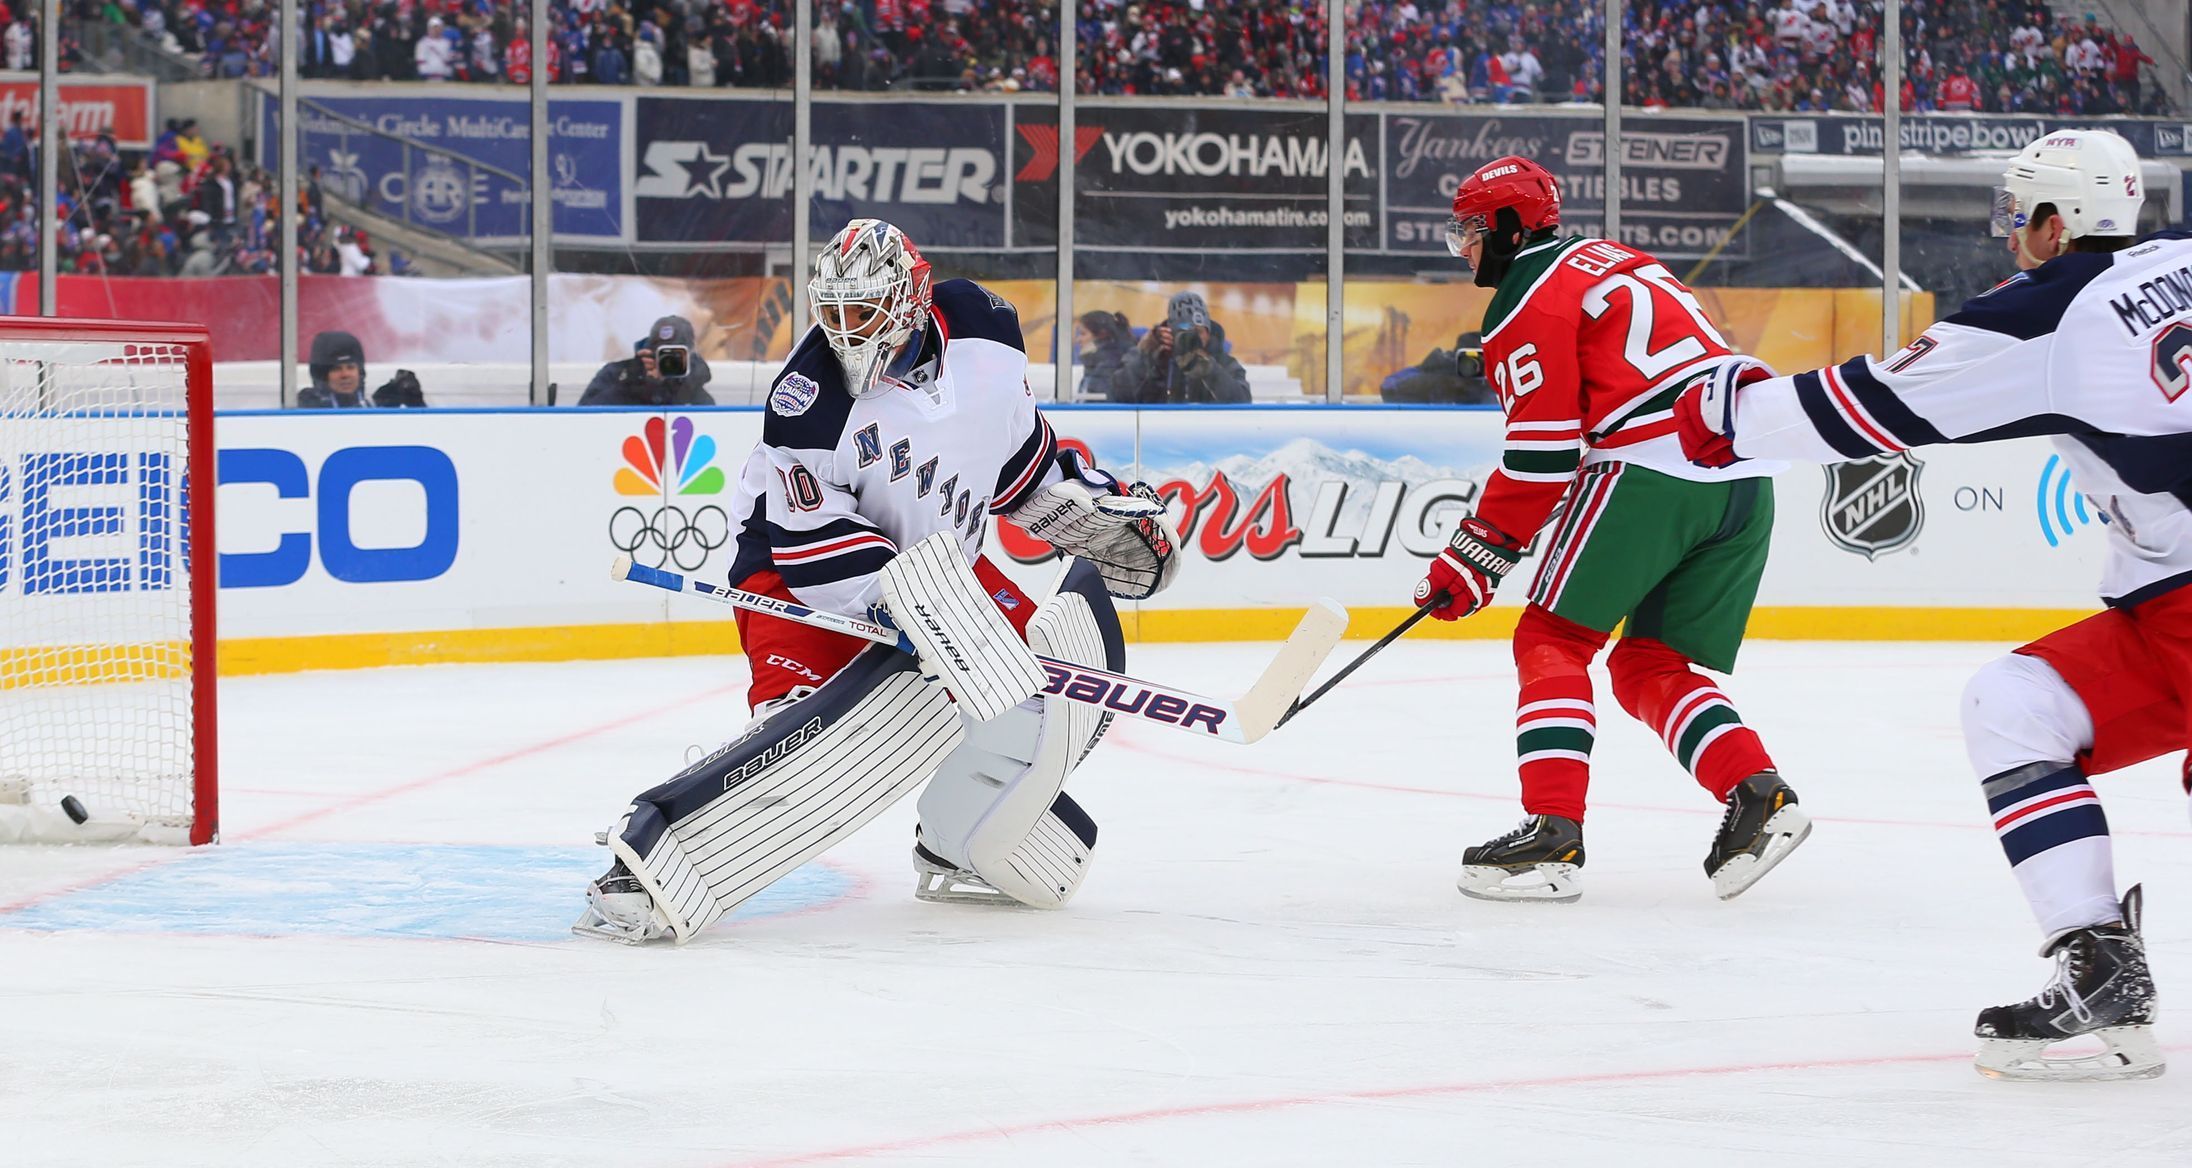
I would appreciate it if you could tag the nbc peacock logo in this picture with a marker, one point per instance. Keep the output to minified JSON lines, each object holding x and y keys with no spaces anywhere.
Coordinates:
{"x":690,"y":462}
{"x":667,"y":461}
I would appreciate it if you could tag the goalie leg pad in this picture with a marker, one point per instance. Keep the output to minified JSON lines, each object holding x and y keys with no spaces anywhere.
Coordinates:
{"x":995,"y":810}
{"x":801,"y":778}
{"x":956,"y":629}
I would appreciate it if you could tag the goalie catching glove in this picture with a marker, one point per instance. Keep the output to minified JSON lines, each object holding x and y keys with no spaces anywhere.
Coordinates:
{"x":1122,"y":530}
{"x":1469,"y":570}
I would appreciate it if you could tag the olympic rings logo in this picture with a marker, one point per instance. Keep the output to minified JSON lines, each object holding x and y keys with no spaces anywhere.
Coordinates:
{"x":669,"y":536}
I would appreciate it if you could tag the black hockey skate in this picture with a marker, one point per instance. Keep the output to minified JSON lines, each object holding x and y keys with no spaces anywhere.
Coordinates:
{"x":1762,"y":826}
{"x":2101,"y":988}
{"x":1539,"y":860}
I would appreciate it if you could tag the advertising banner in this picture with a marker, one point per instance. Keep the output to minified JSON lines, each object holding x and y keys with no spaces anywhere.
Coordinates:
{"x":1278,"y":506}
{"x":1684,"y":182}
{"x":459,"y":165}
{"x":718,"y":171}
{"x":1954,"y":133}
{"x":394,"y":523}
{"x":420,"y":523}
{"x":116,"y":105}
{"x":1174,"y":179}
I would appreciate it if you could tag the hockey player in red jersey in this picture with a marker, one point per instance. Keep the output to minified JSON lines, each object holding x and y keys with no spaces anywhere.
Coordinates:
{"x":2114,"y":689}
{"x":1587,"y":342}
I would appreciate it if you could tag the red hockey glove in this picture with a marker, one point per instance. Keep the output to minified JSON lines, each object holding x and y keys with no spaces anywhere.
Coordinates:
{"x":1470,"y":568}
{"x":1704,"y":415}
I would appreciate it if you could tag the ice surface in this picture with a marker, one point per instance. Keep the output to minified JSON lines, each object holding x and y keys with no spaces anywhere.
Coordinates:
{"x":1269,"y":964}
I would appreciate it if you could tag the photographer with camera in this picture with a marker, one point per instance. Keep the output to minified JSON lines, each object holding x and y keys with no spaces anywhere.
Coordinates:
{"x":1447,"y":377}
{"x":1182,"y":361}
{"x":337,"y":364}
{"x":662,"y":371}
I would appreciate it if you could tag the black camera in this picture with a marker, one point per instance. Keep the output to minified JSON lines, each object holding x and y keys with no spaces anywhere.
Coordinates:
{"x":673,"y":361}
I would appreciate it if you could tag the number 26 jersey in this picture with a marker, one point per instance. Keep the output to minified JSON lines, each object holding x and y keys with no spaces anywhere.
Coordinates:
{"x":1587,"y":343}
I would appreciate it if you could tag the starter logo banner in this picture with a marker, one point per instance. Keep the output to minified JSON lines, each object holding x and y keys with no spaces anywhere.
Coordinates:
{"x":715,"y":171}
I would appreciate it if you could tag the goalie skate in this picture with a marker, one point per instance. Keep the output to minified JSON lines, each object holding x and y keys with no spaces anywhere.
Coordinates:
{"x":2101,"y":991}
{"x":619,"y":908}
{"x":1542,"y":859}
{"x":939,"y":882}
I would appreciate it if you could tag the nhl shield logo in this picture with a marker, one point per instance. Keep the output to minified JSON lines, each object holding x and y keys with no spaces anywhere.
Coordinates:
{"x":1871,"y":506}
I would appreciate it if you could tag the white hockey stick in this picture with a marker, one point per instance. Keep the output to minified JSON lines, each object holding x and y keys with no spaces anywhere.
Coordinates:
{"x":1244,"y":719}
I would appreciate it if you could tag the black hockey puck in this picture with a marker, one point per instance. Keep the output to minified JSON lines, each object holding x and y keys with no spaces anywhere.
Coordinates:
{"x":74,"y":808}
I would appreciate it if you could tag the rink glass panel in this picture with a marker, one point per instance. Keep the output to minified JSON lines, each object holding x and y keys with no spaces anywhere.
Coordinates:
{"x":701,"y":230}
{"x":1223,"y":196}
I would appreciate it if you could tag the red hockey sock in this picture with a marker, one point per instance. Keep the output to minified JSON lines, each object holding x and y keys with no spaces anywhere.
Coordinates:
{"x":1555,"y":720}
{"x":1660,"y":688}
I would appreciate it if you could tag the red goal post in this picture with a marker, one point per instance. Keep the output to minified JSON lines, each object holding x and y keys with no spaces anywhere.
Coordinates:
{"x":108,"y":582}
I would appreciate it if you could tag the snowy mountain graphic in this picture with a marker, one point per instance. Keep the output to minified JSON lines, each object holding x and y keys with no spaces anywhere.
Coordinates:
{"x":1307,"y":463}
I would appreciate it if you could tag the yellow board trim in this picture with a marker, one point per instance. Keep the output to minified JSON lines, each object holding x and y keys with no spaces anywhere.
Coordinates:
{"x":264,"y":655}
{"x":257,"y":655}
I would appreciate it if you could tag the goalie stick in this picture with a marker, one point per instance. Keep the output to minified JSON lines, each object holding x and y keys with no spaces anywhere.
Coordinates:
{"x":1244,"y":720}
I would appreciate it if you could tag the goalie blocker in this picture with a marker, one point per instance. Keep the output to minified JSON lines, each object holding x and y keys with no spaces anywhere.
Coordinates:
{"x":823,"y":762}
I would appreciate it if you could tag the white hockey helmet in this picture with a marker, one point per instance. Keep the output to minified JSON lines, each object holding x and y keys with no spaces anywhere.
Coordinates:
{"x":870,"y":295}
{"x":2091,"y":177}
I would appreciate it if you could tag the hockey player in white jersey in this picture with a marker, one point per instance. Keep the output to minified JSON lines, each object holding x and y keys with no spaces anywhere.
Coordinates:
{"x":2091,"y":343}
{"x":900,"y":425}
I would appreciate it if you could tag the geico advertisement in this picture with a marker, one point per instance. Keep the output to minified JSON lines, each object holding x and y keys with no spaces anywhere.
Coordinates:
{"x":411,"y":521}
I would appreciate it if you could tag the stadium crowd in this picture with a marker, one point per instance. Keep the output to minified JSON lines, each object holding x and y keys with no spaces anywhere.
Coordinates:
{"x":1993,"y":55}
{"x":185,"y":208}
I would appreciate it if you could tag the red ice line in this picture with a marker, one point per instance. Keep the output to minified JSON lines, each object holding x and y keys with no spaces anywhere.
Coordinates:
{"x":1129,"y":742}
{"x":1010,"y":1131}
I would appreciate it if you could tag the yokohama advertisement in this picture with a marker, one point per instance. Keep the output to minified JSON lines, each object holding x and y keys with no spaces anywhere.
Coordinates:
{"x":88,"y":107}
{"x":1683,"y":181}
{"x":717,"y":171}
{"x":1172,"y":179}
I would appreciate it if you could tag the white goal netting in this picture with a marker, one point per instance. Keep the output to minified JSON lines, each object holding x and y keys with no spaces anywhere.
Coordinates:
{"x":98,"y":730}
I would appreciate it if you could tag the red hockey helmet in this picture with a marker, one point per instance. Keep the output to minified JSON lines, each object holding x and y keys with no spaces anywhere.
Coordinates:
{"x":1513,"y":184}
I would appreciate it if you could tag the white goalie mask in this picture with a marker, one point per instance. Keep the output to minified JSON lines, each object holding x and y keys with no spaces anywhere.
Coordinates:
{"x":2090,"y":177}
{"x":870,"y":295}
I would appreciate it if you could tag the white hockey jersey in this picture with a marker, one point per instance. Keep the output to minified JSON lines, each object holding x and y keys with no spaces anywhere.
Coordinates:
{"x":2094,"y":349}
{"x":836,"y":485}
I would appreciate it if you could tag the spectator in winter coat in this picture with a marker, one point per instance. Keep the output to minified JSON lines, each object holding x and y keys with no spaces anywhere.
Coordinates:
{"x":1183,"y":360}
{"x":640,"y":380}
{"x":337,"y":365}
{"x":486,"y":56}
{"x":432,"y":54}
{"x":1102,"y":341}
{"x":192,"y":146}
{"x":1447,"y":377}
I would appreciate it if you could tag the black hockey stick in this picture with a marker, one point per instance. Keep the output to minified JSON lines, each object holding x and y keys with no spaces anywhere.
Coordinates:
{"x":1422,"y":611}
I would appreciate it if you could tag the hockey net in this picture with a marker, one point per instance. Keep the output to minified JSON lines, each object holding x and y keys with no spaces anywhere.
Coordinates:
{"x":106,"y":582}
